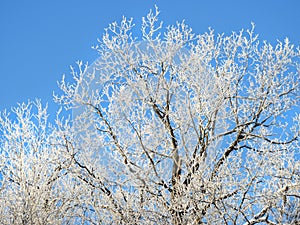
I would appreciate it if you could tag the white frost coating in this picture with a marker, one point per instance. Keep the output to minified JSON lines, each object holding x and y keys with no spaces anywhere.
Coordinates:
{"x":176,"y":128}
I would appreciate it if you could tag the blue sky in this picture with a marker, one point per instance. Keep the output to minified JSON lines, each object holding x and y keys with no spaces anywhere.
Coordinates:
{"x":40,"y":39}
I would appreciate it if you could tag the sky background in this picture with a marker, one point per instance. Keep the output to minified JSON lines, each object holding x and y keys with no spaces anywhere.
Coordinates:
{"x":40,"y":39}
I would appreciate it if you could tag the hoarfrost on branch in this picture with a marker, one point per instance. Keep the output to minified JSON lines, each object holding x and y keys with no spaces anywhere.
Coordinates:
{"x":171,"y":128}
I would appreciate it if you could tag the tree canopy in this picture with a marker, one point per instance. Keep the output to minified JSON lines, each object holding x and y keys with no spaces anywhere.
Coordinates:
{"x":168,"y":127}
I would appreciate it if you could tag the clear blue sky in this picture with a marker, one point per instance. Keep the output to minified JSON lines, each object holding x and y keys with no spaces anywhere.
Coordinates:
{"x":40,"y":39}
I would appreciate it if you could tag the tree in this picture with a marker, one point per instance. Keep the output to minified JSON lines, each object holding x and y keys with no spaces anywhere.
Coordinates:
{"x":175,"y":129}
{"x":33,"y":171}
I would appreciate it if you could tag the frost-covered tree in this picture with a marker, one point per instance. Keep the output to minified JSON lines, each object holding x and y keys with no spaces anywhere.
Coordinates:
{"x":37,"y":185}
{"x":170,"y":128}
{"x":32,"y":166}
